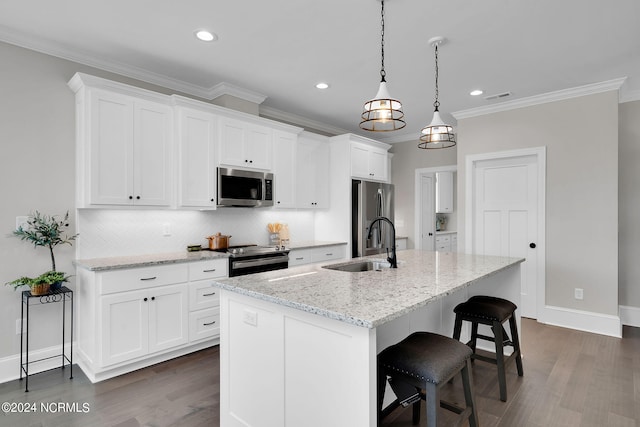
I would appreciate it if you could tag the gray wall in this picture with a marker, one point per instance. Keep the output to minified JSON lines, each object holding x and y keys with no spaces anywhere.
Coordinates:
{"x":581,"y":136}
{"x":629,"y":206}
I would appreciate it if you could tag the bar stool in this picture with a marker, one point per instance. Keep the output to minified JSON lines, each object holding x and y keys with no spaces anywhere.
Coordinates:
{"x":494,"y":312}
{"x":426,"y":361}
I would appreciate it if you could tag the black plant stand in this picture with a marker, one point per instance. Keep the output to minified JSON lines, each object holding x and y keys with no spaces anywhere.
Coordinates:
{"x":63,"y":294}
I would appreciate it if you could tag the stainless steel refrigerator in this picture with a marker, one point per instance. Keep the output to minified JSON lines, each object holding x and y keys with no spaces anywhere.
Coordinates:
{"x":370,"y":200}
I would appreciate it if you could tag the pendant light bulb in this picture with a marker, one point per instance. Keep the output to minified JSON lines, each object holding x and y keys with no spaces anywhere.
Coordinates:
{"x":382,"y":113}
{"x":437,"y":134}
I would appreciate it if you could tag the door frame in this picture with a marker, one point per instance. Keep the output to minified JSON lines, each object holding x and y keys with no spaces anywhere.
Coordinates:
{"x":540,"y":153}
{"x":417,"y":203}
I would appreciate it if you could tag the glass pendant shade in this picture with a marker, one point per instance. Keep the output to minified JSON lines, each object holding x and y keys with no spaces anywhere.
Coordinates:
{"x":437,"y":134}
{"x":382,"y":113}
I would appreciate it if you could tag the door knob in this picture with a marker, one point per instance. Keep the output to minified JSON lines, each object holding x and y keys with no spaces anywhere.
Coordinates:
{"x":532,"y":245}
{"x":430,"y":234}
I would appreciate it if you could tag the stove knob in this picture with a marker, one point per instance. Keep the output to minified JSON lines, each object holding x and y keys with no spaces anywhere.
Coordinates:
{"x":241,"y":250}
{"x":234,"y":251}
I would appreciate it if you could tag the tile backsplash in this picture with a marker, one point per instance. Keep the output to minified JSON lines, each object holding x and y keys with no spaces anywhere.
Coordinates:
{"x":106,"y":232}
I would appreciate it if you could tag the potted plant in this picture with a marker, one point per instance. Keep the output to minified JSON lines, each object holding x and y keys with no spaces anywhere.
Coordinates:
{"x":46,"y":231}
{"x":40,"y":285}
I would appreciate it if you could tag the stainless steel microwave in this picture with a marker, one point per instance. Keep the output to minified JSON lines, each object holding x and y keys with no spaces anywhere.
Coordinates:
{"x":239,"y":187}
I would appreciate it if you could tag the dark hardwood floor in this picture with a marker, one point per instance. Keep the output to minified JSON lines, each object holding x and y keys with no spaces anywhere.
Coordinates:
{"x":571,"y":378}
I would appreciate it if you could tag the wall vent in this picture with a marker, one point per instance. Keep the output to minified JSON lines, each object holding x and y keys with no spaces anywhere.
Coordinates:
{"x":497,"y":96}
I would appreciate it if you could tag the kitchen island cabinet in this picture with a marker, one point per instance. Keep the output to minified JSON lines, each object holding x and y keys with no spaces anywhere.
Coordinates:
{"x":299,"y":346}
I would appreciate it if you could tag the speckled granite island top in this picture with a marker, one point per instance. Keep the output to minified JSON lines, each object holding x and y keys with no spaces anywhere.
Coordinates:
{"x":370,"y":298}
{"x":114,"y":263}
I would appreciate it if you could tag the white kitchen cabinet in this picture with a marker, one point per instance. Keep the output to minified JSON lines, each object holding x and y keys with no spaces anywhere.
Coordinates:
{"x":284,"y":169}
{"x":126,"y":151}
{"x":444,"y":192}
{"x":369,"y":162}
{"x":312,"y":175}
{"x":204,"y":298}
{"x":244,"y":144}
{"x":316,"y":254}
{"x":140,"y":322}
{"x":401,"y":243}
{"x":447,"y":242}
{"x":197,"y":147}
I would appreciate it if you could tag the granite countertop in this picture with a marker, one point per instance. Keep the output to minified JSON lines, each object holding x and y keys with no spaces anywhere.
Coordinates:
{"x":114,"y":263}
{"x":371,"y":298}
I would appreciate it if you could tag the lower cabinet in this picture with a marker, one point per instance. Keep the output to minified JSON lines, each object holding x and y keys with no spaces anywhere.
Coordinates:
{"x":447,"y":242}
{"x":317,"y":254}
{"x":135,"y":317}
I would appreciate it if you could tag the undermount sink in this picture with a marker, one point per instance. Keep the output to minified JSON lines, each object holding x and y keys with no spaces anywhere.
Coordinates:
{"x":357,"y":267}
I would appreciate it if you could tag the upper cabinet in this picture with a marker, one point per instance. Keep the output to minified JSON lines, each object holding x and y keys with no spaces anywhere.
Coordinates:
{"x":312,"y":176}
{"x":124,"y":148}
{"x":244,"y":144}
{"x":369,"y":162}
{"x":197,"y":151}
{"x":444,"y":192}
{"x":284,"y":169}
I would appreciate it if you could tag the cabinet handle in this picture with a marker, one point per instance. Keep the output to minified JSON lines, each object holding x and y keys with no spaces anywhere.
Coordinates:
{"x":370,"y":174}
{"x":145,"y":299}
{"x":153,"y":298}
{"x":130,"y":197}
{"x":208,"y":295}
{"x":299,"y":258}
{"x":138,"y":197}
{"x":149,"y":278}
{"x":210,"y":323}
{"x":209,"y":271}
{"x":328,"y":254}
{"x":250,"y":161}
{"x":212,"y":200}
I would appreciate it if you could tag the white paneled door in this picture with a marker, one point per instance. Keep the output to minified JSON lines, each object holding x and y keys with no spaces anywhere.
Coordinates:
{"x":505,"y":218}
{"x":428,"y":213}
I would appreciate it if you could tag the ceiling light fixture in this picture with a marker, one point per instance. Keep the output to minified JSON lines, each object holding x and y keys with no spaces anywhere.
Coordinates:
{"x":476,"y":92}
{"x":206,"y":36}
{"x":438,"y":134}
{"x":382,"y":113}
{"x":322,"y":85}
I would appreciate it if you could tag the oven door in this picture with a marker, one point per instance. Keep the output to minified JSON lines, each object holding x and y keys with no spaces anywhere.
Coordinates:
{"x":250,"y":265}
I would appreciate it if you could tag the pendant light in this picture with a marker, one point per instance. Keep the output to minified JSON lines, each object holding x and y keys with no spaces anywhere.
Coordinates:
{"x":382,"y":113}
{"x":437,"y":134}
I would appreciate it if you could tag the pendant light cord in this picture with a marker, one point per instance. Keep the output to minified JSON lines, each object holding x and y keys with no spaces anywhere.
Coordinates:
{"x":436,"y":104}
{"x":382,"y":72}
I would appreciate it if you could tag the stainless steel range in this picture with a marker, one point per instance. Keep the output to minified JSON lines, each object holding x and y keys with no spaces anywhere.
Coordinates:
{"x":256,"y":259}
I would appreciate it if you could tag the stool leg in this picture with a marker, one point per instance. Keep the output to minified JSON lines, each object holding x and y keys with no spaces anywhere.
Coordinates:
{"x":382,"y":384}
{"x":467,"y":384}
{"x":516,"y":344}
{"x":415,"y":419}
{"x":499,"y":341}
{"x":474,"y":336}
{"x":457,"y":328}
{"x":433,"y":403}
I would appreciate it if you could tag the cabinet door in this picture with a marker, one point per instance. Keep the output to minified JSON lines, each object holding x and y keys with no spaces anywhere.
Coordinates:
{"x":284,"y":169}
{"x":312,"y":174}
{"x":232,"y":142}
{"x":111,"y":144}
{"x":152,"y":154}
{"x":125,"y":326}
{"x":359,"y":161}
{"x":168,"y":317}
{"x":197,"y":146}
{"x":321,"y":173}
{"x":444,"y":192}
{"x":378,"y":165}
{"x":258,"y":149}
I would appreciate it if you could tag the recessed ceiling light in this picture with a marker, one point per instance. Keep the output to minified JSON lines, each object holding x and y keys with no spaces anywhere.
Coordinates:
{"x":322,"y":85}
{"x":476,"y":92}
{"x":206,"y":36}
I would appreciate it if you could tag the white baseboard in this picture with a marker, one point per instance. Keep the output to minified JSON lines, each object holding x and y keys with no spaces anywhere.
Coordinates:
{"x":630,"y":316}
{"x":587,"y":321}
{"x":10,"y":366}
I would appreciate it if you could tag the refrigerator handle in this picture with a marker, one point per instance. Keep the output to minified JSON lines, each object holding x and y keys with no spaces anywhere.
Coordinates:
{"x":362,"y":244}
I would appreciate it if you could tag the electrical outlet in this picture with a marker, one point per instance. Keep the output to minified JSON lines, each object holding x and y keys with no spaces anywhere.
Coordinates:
{"x":250,"y":317}
{"x":578,"y":293}
{"x":18,"y":323}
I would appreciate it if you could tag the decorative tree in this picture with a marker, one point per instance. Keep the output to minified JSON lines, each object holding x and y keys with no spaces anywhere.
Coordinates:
{"x":47,"y":231}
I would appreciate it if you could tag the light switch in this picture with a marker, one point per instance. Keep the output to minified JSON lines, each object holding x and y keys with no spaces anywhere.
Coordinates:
{"x":250,"y":317}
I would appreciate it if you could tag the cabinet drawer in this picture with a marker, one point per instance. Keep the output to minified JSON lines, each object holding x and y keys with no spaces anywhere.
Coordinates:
{"x":204,"y":324}
{"x":300,"y":256}
{"x":443,"y":239}
{"x":203,"y":294}
{"x":141,"y":278}
{"x":208,"y":269}
{"x":328,"y":253}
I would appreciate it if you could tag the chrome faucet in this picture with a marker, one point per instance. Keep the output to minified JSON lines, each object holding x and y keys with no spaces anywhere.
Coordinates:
{"x":393,"y":260}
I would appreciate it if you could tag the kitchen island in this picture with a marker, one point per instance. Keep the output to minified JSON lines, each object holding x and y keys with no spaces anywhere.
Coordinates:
{"x":298,"y":346}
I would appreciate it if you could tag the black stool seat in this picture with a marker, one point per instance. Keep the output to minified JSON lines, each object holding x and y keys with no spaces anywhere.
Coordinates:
{"x":488,"y":308}
{"x":426,"y":361}
{"x":494,"y":312}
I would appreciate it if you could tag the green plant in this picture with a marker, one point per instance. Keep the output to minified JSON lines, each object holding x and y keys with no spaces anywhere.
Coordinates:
{"x":50,"y":277}
{"x":46,"y":231}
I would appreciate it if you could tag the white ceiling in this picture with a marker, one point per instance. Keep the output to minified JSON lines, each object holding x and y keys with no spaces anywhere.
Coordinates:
{"x":281,"y":48}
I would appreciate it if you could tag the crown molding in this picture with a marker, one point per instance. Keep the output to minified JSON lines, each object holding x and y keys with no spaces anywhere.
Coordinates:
{"x":274,"y":113}
{"x":630,"y":95}
{"x":237,"y":91}
{"x":544,"y":98}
